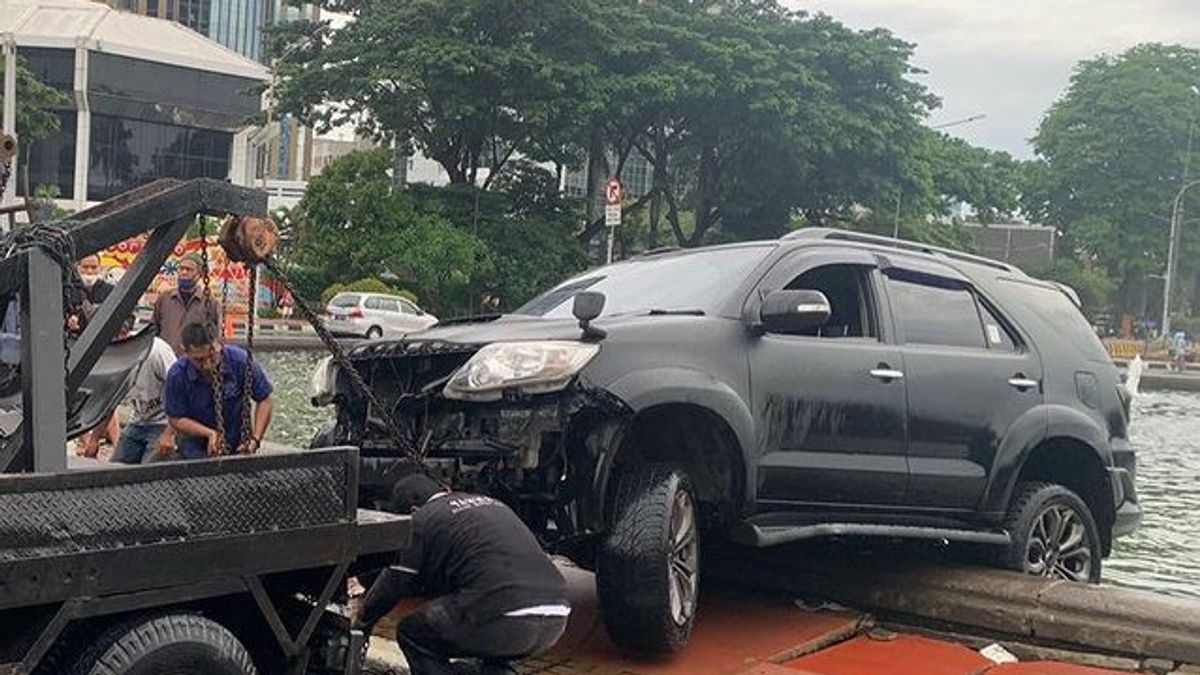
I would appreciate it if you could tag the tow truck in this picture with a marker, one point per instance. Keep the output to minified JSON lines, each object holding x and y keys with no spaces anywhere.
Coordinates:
{"x":231,"y":565}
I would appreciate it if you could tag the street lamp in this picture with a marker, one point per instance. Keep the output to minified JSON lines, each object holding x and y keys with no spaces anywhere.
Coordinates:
{"x":1175,"y":209}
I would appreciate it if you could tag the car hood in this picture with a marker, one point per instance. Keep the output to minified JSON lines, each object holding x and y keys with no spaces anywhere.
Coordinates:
{"x":503,"y":329}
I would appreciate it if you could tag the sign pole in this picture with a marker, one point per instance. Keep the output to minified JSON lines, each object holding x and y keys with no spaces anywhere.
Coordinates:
{"x":613,"y":194}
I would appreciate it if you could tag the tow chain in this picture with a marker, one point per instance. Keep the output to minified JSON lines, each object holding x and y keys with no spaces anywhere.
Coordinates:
{"x":217,"y":393}
{"x":247,"y":380}
{"x":397,"y":433}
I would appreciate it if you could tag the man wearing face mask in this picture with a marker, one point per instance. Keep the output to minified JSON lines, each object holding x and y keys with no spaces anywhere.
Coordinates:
{"x":185,"y":305}
{"x":83,"y":301}
{"x":86,"y":298}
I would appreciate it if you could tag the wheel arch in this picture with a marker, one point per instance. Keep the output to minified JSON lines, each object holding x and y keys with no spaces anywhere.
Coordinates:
{"x":1073,"y":452}
{"x":673,"y":412}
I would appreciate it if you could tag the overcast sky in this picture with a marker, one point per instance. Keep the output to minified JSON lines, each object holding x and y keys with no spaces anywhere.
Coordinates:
{"x":1010,"y":59}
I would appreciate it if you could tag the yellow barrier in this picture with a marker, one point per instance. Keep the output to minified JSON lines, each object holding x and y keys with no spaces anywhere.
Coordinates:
{"x":1124,"y":349}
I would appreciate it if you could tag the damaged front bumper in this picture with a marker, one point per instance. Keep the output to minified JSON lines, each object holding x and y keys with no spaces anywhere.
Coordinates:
{"x":542,"y":453}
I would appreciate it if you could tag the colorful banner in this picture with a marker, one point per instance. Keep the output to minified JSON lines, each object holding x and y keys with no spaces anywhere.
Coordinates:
{"x":227,"y":280}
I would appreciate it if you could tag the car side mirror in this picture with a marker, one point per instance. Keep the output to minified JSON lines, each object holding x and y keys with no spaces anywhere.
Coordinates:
{"x":794,"y":311}
{"x":589,"y":305}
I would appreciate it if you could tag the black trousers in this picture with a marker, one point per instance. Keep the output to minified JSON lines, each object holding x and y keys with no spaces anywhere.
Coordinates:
{"x":441,"y":631}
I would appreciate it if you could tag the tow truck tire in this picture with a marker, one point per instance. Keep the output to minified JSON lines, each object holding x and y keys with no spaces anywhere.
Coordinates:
{"x":179,"y":644}
{"x":647,"y":570}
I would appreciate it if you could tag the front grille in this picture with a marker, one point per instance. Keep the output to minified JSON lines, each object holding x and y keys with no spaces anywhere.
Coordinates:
{"x":405,"y":369}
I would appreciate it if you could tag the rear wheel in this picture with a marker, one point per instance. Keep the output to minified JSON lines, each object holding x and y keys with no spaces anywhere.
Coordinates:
{"x":1053,"y":534}
{"x":179,"y":644}
{"x":648,"y":569}
{"x":374,"y":333}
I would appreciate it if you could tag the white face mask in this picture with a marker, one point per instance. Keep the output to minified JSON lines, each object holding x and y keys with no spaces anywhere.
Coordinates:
{"x":89,"y":280}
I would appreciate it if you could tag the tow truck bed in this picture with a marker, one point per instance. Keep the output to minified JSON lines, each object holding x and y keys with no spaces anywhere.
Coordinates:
{"x":88,"y":543}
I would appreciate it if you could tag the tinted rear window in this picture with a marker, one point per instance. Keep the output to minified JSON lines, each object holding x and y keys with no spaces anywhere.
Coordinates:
{"x":345,"y":301}
{"x":1053,"y":308}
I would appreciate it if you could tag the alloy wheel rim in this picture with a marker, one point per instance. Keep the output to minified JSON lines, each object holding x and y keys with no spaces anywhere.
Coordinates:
{"x":683,"y":573}
{"x":1058,"y":545}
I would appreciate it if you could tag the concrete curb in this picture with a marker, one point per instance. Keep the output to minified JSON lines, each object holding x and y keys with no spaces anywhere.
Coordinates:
{"x":1103,"y":619}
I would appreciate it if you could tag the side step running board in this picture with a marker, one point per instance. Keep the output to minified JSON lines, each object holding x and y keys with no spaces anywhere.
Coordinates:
{"x":774,"y":535}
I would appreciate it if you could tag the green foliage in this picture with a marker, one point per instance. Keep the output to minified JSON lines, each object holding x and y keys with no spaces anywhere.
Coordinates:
{"x":749,"y":113}
{"x":44,"y":196}
{"x":450,"y":244}
{"x":36,"y":103}
{"x":1187,"y":324}
{"x":370,"y":285}
{"x":1113,"y":152}
{"x":444,"y":262}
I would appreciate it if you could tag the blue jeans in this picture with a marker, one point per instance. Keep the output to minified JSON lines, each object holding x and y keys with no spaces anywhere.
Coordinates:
{"x":139,"y":443}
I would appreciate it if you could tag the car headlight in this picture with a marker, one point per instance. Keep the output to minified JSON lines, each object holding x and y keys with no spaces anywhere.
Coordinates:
{"x":324,"y":382}
{"x":533,"y":367}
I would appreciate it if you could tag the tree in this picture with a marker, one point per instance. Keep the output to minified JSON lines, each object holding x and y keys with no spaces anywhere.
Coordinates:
{"x":442,"y":262}
{"x":348,"y":224}
{"x":448,"y":244}
{"x":469,"y":83}
{"x":1112,"y":154}
{"x":36,"y":102}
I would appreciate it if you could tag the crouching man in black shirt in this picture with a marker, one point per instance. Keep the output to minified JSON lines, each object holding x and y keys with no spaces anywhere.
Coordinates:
{"x":499,"y":598}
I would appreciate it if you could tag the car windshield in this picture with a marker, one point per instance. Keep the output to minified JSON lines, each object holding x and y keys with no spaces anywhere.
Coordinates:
{"x":344,"y":301}
{"x":701,"y":280}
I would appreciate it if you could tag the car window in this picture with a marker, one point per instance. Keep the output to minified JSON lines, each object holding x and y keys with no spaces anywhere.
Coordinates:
{"x":407,"y":307}
{"x":997,"y":335}
{"x":847,"y":289}
{"x":701,"y":280}
{"x":1053,"y":308}
{"x":345,"y":301}
{"x":373,"y":303}
{"x":933,"y":311}
{"x":390,"y":305}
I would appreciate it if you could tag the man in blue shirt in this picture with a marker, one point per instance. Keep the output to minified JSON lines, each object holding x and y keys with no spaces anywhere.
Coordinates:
{"x":189,"y":397}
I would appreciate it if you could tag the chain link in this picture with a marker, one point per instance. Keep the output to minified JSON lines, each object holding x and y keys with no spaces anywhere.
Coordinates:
{"x":397,"y":433}
{"x":217,"y":393}
{"x":248,"y":381}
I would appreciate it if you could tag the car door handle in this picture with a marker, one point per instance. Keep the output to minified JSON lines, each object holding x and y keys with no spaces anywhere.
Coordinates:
{"x":1022,"y":383}
{"x":887,"y":374}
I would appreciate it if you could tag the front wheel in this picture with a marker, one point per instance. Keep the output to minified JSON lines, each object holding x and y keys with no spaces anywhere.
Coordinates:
{"x":1053,"y":534}
{"x":648,"y":568}
{"x":179,"y":644}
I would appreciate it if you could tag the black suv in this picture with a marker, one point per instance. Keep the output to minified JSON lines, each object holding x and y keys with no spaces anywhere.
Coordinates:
{"x":829,"y":383}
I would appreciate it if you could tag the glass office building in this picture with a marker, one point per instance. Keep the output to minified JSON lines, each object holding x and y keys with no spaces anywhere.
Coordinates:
{"x":157,"y":101}
{"x":236,"y":24}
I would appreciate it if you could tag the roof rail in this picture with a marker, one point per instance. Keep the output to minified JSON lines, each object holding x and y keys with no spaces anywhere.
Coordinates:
{"x":659,"y":251}
{"x":901,"y":244}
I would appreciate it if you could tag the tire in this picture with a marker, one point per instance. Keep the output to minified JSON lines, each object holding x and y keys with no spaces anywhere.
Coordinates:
{"x":180,"y":644}
{"x":648,"y":568}
{"x":374,"y":333}
{"x":1041,"y":546}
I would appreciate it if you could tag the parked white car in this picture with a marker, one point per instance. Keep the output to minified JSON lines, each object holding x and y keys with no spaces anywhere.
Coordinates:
{"x":374,"y":315}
